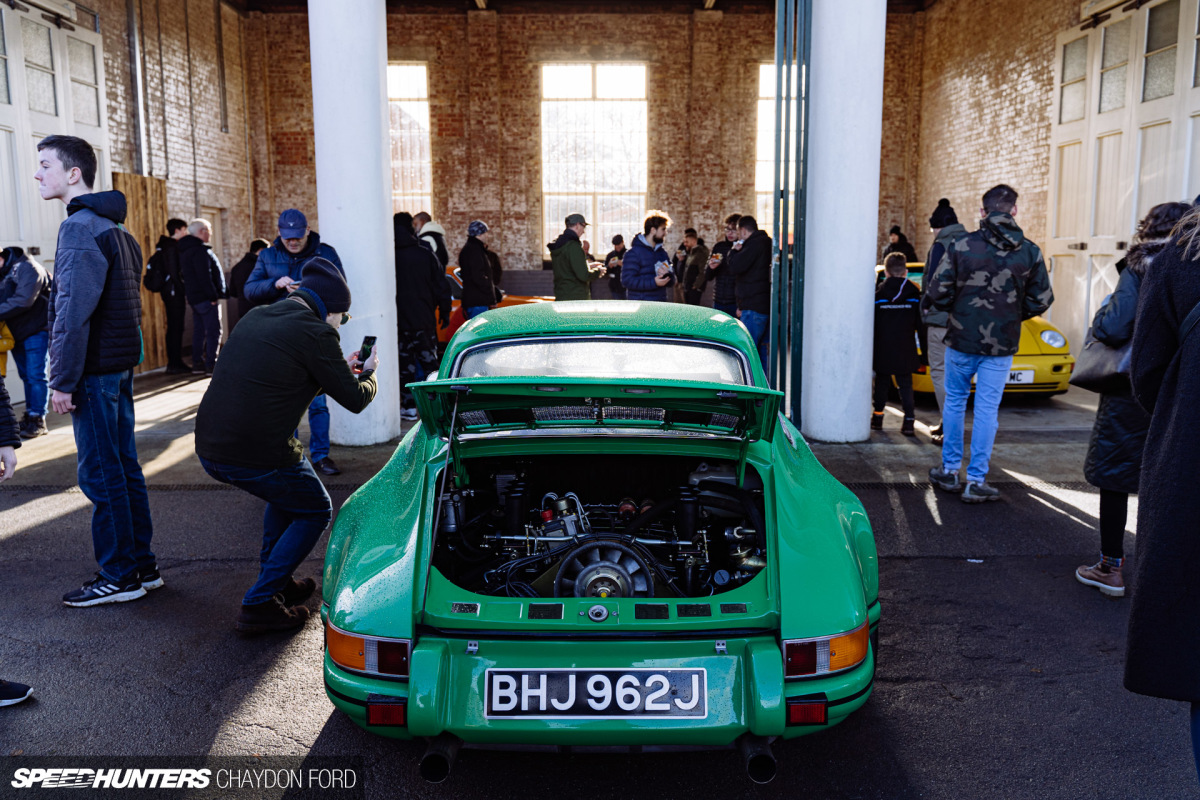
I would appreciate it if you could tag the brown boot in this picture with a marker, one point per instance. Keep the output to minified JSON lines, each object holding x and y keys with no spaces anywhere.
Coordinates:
{"x":270,"y":616}
{"x":1104,"y":577}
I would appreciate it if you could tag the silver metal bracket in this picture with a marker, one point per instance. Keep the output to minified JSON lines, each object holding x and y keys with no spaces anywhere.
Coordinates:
{"x":472,"y":648}
{"x":720,"y":647}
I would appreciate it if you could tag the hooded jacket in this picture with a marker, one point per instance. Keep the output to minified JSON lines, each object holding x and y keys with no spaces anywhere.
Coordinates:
{"x":751,"y":267}
{"x":641,"y":267}
{"x":897,"y":322}
{"x":275,"y":261}
{"x":96,"y":303}
{"x":203,"y":279}
{"x":901,"y":245}
{"x":275,"y":362}
{"x":421,"y":285}
{"x":572,"y":278}
{"x":433,"y":236}
{"x":989,"y":282}
{"x":946,"y":237}
{"x":476,"y":271}
{"x":24,"y":294}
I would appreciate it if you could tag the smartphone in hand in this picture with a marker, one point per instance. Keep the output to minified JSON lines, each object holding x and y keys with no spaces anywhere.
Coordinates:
{"x":364,"y":352}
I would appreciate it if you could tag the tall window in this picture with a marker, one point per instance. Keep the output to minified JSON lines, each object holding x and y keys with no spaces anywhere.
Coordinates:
{"x":4,"y":95}
{"x":408,"y":107}
{"x":1072,"y":104}
{"x":764,"y":172}
{"x":1162,"y":38}
{"x":39,"y":67}
{"x":594,"y":149}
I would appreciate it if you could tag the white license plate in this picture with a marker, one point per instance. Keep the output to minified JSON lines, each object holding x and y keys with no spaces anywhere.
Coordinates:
{"x":595,"y":693}
{"x":1020,"y":376}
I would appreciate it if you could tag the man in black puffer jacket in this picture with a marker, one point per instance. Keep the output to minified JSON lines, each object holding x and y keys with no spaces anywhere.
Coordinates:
{"x":750,"y":262}
{"x":420,"y":288}
{"x":204,"y":282}
{"x":95,"y":342}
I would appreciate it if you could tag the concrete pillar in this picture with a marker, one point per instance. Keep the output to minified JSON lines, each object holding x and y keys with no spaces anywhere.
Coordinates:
{"x":348,"y":41}
{"x":844,"y":130}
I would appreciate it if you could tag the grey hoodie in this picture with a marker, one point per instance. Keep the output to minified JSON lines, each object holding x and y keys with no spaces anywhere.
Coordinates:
{"x":96,"y":304}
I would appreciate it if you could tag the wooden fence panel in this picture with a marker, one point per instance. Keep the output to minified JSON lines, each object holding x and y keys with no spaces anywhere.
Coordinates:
{"x":146,"y":220}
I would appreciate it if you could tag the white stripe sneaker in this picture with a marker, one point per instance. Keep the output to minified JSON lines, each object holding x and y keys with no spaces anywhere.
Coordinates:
{"x":101,"y":590}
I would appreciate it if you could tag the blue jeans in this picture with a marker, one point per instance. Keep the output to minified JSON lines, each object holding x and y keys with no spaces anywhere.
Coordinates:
{"x":728,"y":308}
{"x":759,"y":325}
{"x":473,"y":311}
{"x":318,"y":428}
{"x":991,"y":373}
{"x":30,"y":355}
{"x":110,"y":476}
{"x":298,"y":511}
{"x":206,"y":333}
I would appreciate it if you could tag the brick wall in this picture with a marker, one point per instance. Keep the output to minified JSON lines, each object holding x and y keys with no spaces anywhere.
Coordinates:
{"x":208,"y":166}
{"x":901,"y":127}
{"x":985,"y":89}
{"x":484,"y":93}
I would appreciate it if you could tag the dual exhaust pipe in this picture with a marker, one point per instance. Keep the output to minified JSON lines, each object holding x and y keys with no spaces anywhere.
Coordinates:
{"x":439,"y":758}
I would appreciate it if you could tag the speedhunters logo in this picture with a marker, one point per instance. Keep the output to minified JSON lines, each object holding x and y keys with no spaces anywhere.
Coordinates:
{"x":68,"y":778}
{"x":194,"y":778}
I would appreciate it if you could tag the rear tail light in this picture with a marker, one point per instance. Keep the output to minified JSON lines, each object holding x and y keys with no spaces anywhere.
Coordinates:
{"x":825,"y":655}
{"x":807,"y":711}
{"x":369,"y":655}
{"x":391,"y":711}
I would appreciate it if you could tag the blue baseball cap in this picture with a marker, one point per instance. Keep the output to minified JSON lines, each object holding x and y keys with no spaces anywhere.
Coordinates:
{"x":292,"y":224}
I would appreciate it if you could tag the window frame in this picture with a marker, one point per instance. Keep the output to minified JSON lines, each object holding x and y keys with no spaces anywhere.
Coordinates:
{"x":397,"y":195}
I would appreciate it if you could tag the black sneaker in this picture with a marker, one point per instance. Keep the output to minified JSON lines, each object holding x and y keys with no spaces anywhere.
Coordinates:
{"x":296,"y":592}
{"x":150,"y":577}
{"x":177,"y":369}
{"x":876,"y":420}
{"x":946,"y":481}
{"x":101,"y":590}
{"x":33,"y":427}
{"x":198,"y":368}
{"x":271,"y":616}
{"x":908,"y":427}
{"x":326,"y":466}
{"x":13,"y":693}
{"x":979,"y":492}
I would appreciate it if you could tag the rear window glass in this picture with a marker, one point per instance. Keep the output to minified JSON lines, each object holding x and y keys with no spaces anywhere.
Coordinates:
{"x":609,"y":358}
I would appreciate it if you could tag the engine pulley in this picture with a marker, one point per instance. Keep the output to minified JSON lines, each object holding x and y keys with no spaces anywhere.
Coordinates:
{"x":603,"y":569}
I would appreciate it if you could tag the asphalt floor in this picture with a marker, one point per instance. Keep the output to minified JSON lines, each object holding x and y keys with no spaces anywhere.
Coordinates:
{"x":999,"y":675}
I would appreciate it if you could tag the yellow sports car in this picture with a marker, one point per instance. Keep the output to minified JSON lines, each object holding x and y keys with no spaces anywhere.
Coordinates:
{"x":1042,"y":365}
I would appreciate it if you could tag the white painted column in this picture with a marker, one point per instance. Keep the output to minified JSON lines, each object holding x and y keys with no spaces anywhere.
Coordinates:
{"x":348,"y":42}
{"x":844,"y":138}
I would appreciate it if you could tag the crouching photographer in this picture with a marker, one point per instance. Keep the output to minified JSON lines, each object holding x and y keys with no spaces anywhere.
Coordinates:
{"x":276,"y":361}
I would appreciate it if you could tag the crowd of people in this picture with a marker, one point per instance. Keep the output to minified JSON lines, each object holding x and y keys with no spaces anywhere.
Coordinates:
{"x":77,"y":338}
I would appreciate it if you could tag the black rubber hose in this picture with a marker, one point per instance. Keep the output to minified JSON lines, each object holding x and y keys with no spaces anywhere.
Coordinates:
{"x":745,"y":497}
{"x":650,"y":515}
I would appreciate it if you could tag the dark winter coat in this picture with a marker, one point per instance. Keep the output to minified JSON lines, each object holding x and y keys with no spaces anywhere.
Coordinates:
{"x":897,"y":321}
{"x":24,"y":295}
{"x":203,"y":278}
{"x":96,"y":304}
{"x":990,"y":281}
{"x":901,"y":245}
{"x":1163,"y":647}
{"x":572,"y":278}
{"x":641,"y":267}
{"x":275,"y":362}
{"x":237,"y":282}
{"x":614,"y":271}
{"x":162,"y":271}
{"x":9,"y":430}
{"x":946,"y":237}
{"x":695,"y":269}
{"x":1114,"y":456}
{"x":275,"y":262}
{"x":476,"y":272}
{"x":724,"y":291}
{"x":751,"y":267}
{"x":420,"y":285}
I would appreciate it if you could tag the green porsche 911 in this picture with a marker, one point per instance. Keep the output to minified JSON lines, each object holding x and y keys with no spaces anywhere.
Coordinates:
{"x":602,"y":533}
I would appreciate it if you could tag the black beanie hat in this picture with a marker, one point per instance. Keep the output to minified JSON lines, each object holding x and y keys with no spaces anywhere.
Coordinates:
{"x":895,"y":231}
{"x":943,"y":215}
{"x":322,"y":278}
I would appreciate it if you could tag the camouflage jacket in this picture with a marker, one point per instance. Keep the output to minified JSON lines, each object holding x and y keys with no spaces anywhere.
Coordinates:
{"x":989,"y":282}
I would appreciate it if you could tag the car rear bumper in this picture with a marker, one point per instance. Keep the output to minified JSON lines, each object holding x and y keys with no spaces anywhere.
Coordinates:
{"x":746,"y":693}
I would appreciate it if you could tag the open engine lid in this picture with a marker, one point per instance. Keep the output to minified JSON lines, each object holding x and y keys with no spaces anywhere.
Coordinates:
{"x":458,"y":408}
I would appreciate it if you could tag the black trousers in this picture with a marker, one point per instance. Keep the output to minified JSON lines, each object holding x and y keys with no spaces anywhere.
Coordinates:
{"x":176,"y":309}
{"x":418,"y":357}
{"x":1114,"y":510}
{"x":884,"y":382}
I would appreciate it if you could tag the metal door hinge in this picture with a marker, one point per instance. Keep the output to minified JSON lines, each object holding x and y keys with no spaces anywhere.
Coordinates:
{"x":1077,"y":246}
